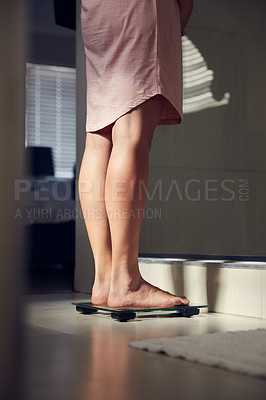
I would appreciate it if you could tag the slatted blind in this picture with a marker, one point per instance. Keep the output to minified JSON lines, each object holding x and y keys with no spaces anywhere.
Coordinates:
{"x":51,"y":113}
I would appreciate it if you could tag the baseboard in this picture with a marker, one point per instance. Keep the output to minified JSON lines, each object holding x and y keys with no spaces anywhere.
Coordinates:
{"x":228,"y":287}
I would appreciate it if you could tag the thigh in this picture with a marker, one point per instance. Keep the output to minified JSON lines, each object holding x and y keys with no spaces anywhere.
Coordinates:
{"x":140,"y":122}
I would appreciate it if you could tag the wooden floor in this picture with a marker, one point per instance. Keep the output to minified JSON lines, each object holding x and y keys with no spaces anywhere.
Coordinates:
{"x":73,"y":356}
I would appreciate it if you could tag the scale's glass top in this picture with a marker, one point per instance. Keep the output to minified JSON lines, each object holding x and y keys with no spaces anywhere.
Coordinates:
{"x":137,"y":309}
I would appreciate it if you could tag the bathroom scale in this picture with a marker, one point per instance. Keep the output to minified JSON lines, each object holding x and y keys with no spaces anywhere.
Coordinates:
{"x":124,"y":314}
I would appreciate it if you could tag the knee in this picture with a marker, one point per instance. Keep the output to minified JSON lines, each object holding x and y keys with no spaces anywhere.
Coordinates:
{"x":99,"y":140}
{"x":132,"y":138}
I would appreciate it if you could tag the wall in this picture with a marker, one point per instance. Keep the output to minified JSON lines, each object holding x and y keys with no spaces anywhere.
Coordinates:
{"x":12,"y":111}
{"x":84,"y":271}
{"x":227,"y":142}
{"x":48,"y":43}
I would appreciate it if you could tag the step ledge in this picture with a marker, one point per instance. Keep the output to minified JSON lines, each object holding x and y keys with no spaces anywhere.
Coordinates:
{"x":259,"y":265}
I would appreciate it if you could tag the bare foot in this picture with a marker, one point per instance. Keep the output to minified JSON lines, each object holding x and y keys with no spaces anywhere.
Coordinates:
{"x":100,"y":291}
{"x":143,"y":295}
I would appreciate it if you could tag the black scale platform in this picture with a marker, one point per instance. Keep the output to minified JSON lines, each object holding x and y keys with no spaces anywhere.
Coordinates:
{"x":124,"y":314}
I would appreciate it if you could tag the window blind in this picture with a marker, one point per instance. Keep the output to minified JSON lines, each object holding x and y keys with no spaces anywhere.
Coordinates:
{"x":51,"y":113}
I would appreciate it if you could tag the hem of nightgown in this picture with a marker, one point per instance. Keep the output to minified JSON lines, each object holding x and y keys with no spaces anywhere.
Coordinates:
{"x":175,"y":120}
{"x":163,"y":121}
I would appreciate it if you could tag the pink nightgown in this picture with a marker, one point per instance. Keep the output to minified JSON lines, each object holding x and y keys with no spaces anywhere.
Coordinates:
{"x":133,"y":51}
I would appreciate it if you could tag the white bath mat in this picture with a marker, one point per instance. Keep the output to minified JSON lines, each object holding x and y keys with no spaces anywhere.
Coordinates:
{"x":243,"y":352}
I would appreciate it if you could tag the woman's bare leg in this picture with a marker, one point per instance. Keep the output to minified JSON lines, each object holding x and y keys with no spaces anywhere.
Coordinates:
{"x":91,"y":191}
{"x":128,"y":165}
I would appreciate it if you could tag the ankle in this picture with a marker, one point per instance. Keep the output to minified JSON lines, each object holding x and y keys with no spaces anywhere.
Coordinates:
{"x":102,"y":277}
{"x":103,"y":271}
{"x":125,"y":281}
